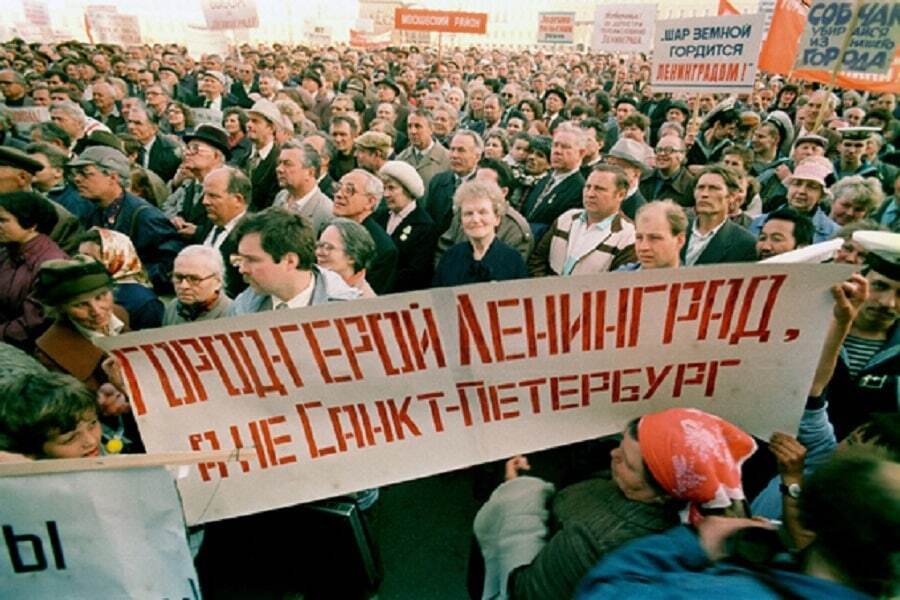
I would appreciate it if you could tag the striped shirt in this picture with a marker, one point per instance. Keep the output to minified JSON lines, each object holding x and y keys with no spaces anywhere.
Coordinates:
{"x":859,"y":352}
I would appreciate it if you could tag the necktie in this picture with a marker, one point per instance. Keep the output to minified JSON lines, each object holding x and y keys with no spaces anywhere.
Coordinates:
{"x":252,"y":164}
{"x":142,"y":156}
{"x":217,"y":231}
{"x":281,"y":306}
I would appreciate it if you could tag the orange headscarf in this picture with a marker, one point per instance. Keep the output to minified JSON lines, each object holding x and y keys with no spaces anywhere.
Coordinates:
{"x":695,"y":456}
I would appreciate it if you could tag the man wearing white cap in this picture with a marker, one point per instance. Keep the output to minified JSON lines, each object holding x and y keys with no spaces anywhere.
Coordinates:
{"x":211,"y":88}
{"x":262,"y":120}
{"x":806,"y":189}
{"x":866,"y":376}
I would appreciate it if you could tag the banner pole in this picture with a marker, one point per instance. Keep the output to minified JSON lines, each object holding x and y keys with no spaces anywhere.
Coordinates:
{"x":857,"y":4}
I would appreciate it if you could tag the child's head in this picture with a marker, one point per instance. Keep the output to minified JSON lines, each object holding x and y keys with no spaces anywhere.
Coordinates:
{"x":48,"y":415}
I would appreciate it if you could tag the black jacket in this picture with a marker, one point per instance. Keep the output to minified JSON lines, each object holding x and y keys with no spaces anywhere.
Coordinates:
{"x":415,"y":240}
{"x":732,"y":243}
{"x":165,"y":158}
{"x":383,"y":270}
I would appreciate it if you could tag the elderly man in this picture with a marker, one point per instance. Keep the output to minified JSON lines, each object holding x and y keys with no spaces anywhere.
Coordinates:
{"x":560,"y":190}
{"x":157,"y":153}
{"x":466,"y":148}
{"x":670,"y":180}
{"x":226,"y":195}
{"x":262,"y":120}
{"x":101,"y":175}
{"x":783,"y":230}
{"x":371,"y":150}
{"x":103,"y":96}
{"x":297,"y":171}
{"x":806,"y":190}
{"x":72,"y":119}
{"x":356,"y":198}
{"x":13,"y":87}
{"x":445,"y":120}
{"x":324,"y":145}
{"x":592,"y":239}
{"x":276,"y":254}
{"x":821,"y":101}
{"x":207,"y":149}
{"x":712,"y":237}
{"x":211,"y":88}
{"x":632,"y":157}
{"x":426,"y":155}
{"x":199,"y":278}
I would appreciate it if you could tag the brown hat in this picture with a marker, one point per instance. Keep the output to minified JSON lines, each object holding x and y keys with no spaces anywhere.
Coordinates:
{"x":61,"y":280}
{"x":374,"y":140}
{"x":13,"y":157}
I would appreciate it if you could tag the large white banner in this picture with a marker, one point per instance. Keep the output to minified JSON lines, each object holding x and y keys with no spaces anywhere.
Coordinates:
{"x":110,"y":27}
{"x":330,"y":399}
{"x":712,"y":54}
{"x":623,"y":28}
{"x":230,"y":14}
{"x":94,"y":534}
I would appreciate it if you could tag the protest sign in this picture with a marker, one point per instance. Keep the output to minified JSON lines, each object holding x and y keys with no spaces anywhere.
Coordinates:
{"x":355,"y":395}
{"x":36,"y":13}
{"x":623,"y":28}
{"x":556,"y":27}
{"x":100,"y":534}
{"x":442,"y":21}
{"x":230,"y":14}
{"x":713,"y":54}
{"x":873,"y":28}
{"x":105,"y":27}
{"x":367,"y":40}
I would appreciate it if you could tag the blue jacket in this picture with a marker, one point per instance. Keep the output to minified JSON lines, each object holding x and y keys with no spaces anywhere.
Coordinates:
{"x":72,"y":201}
{"x":817,"y":436}
{"x":153,"y":235}
{"x":823,"y":227}
{"x":673,"y":566}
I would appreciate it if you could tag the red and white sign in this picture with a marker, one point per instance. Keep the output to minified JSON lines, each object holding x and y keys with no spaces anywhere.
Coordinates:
{"x":556,"y":28}
{"x":331,"y":399}
{"x":230,"y":14}
{"x":712,"y":54}
{"x":444,"y":21}
{"x":369,"y":41}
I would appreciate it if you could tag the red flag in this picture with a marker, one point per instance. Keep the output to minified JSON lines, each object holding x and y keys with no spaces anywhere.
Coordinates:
{"x":780,"y":47}
{"x":727,"y":8}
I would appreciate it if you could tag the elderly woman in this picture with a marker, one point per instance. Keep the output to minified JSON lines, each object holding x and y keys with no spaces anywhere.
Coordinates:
{"x":482,"y":257}
{"x":26,"y":219}
{"x":133,"y":291}
{"x":409,"y":225}
{"x":854,"y":198}
{"x":347,"y":248}
{"x":198,"y":275}
{"x":675,"y":460}
{"x":78,"y":293}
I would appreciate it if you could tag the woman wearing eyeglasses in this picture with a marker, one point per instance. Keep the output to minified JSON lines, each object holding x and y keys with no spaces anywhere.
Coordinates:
{"x":197,"y":275}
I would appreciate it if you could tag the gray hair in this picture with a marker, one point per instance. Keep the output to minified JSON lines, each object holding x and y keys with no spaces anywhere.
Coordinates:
{"x":309,"y":157}
{"x":374,"y":187}
{"x":358,"y":243}
{"x":862,"y":191}
{"x":72,"y":109}
{"x":212,"y":257}
{"x":481,"y":190}
{"x":669,"y":126}
{"x":581,"y":136}
{"x":479,"y":143}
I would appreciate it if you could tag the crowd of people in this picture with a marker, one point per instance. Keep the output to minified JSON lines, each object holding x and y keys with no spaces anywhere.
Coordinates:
{"x":163,"y":190}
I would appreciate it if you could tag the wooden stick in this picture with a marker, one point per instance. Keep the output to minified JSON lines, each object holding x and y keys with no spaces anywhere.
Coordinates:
{"x":857,"y":4}
{"x":113,"y":462}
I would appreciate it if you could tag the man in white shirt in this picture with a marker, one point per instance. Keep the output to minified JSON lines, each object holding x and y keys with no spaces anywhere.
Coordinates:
{"x":713,"y":237}
{"x":297,"y":172}
{"x":276,"y":256}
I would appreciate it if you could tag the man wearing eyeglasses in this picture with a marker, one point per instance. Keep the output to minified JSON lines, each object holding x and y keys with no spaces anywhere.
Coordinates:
{"x":206,"y":150}
{"x":198,"y":277}
{"x":669,"y":180}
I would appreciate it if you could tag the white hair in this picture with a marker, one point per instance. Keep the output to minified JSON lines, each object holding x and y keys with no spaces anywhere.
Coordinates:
{"x":374,"y":187}
{"x":209,"y":254}
{"x":72,"y":109}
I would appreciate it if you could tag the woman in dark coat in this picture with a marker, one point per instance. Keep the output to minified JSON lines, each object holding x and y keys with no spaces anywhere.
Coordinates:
{"x":483,"y":257}
{"x":26,"y":219}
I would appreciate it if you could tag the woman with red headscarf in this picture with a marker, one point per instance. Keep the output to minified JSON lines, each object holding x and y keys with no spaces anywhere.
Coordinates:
{"x":672,"y":466}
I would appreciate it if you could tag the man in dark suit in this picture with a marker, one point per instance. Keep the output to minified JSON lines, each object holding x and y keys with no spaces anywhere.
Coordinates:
{"x":632,"y":157}
{"x":560,"y":190}
{"x":466,"y":148}
{"x":247,"y":83}
{"x":211,"y":88}
{"x":356,"y":198}
{"x":713,"y":238}
{"x":225,"y":197}
{"x":408,"y":224}
{"x":262,"y":120}
{"x":670,"y":180}
{"x":160,"y":155}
